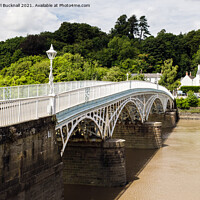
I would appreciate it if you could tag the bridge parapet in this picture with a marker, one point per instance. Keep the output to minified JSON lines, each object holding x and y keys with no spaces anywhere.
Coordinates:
{"x":31,"y":166}
{"x":39,"y":90}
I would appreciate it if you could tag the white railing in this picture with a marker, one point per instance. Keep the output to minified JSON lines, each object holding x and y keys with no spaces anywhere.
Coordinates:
{"x":39,"y":90}
{"x":16,"y":111}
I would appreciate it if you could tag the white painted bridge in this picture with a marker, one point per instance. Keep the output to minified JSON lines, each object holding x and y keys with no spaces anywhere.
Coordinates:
{"x":93,"y":107}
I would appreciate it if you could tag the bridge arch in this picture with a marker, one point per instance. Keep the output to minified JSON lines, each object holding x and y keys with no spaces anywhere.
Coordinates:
{"x":119,"y":110}
{"x":106,"y":115}
{"x":164,"y":102}
{"x":76,"y":122}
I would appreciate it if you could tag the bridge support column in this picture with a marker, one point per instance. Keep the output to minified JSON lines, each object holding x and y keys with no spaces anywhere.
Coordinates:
{"x":99,"y":163}
{"x":140,"y":136}
{"x":168,"y":119}
{"x":30,"y":163}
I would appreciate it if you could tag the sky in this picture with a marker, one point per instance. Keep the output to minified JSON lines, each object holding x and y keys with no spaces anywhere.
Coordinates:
{"x":175,"y":16}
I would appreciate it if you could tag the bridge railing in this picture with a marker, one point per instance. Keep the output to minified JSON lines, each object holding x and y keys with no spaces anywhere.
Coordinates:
{"x":16,"y":111}
{"x":38,"y":90}
{"x":145,"y":84}
{"x":76,"y":97}
{"x":20,"y":110}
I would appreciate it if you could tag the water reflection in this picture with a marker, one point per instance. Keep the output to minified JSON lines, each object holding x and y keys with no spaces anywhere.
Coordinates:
{"x":136,"y":160}
{"x":173,"y":172}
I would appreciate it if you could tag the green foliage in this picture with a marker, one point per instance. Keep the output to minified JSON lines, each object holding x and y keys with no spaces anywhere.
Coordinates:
{"x":121,"y":49}
{"x":185,"y":89}
{"x":182,"y":103}
{"x":192,"y":99}
{"x":26,"y":70}
{"x":191,"y":110}
{"x":35,"y":69}
{"x":195,"y":59}
{"x":143,"y":27}
{"x":114,"y":74}
{"x":131,"y":27}
{"x":163,"y":47}
{"x":139,"y":77}
{"x":34,"y":45}
{"x":168,"y":78}
{"x":8,"y":51}
{"x":74,"y":33}
{"x":86,"y":52}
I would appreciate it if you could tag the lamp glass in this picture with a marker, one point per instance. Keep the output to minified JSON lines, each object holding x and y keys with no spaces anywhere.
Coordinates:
{"x":51,"y":53}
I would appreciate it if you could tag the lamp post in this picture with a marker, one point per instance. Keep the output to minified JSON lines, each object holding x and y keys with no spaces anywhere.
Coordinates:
{"x":51,"y":53}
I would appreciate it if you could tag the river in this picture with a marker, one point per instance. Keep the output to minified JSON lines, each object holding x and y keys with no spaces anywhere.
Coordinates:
{"x":170,"y":173}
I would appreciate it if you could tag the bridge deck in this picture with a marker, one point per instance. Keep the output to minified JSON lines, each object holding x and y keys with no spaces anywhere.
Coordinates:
{"x":72,"y":112}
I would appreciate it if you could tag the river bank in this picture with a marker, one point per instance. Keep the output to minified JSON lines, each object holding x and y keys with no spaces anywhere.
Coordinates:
{"x":193,"y":114}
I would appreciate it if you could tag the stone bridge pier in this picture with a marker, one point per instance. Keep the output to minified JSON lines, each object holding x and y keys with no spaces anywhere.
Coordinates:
{"x":147,"y":135}
{"x":168,"y":118}
{"x":30,"y":163}
{"x":140,"y":135}
{"x":99,"y":163}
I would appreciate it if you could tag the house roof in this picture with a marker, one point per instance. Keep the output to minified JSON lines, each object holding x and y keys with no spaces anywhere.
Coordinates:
{"x":150,"y":75}
{"x":192,"y":77}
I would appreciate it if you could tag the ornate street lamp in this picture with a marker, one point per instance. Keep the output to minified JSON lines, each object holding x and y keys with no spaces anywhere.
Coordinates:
{"x":51,"y":53}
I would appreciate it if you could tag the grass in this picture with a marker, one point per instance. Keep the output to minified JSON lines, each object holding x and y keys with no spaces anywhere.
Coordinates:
{"x":191,"y":110}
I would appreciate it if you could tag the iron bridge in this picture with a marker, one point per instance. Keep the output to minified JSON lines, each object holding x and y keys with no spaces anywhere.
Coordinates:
{"x":87,"y":109}
{"x":97,"y":117}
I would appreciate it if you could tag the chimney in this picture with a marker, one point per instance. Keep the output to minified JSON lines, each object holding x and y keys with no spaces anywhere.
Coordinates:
{"x":186,"y":73}
{"x":190,"y":73}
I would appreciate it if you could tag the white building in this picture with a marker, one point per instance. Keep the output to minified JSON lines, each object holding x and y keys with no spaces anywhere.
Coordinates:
{"x":189,"y":80}
{"x":152,"y":77}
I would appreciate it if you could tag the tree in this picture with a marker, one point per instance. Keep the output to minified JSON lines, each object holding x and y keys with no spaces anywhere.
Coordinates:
{"x":143,"y":28}
{"x":121,"y":27}
{"x":192,"y":99}
{"x":163,"y":47}
{"x":169,"y":73}
{"x":10,"y":51}
{"x":182,"y":103}
{"x":114,"y":74}
{"x":139,"y":77}
{"x":121,"y":48}
{"x":132,"y":27}
{"x":71,"y":33}
{"x":34,"y":45}
{"x":192,"y":42}
{"x":195,"y":61}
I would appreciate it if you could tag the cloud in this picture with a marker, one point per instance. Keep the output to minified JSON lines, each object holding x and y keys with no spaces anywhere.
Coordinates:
{"x":174,"y":16}
{"x":20,"y":22}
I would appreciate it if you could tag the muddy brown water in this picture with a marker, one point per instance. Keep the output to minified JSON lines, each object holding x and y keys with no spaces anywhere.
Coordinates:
{"x":170,"y":173}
